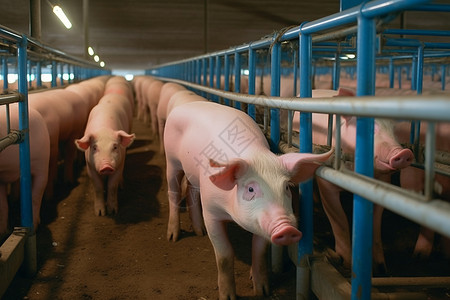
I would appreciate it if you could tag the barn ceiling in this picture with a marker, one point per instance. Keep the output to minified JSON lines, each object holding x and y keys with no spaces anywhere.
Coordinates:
{"x":135,"y":35}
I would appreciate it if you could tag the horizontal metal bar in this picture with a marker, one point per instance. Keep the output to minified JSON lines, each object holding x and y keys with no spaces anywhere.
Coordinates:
{"x":417,"y":32}
{"x":411,"y":281}
{"x":10,"y":98}
{"x":434,"y":214}
{"x":12,"y":138}
{"x":368,"y":9}
{"x":427,"y":108}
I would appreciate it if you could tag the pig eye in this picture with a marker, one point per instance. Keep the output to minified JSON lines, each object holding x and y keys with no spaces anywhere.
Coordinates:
{"x":115,"y":147}
{"x":251,"y":189}
{"x":94,"y":147}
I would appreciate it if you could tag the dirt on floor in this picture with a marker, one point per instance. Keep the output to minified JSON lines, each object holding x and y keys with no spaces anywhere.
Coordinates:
{"x":127,"y":256}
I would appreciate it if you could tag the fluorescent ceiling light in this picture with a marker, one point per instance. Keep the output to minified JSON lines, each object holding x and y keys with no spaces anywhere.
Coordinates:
{"x":96,"y":58}
{"x":62,"y":16}
{"x":90,"y":51}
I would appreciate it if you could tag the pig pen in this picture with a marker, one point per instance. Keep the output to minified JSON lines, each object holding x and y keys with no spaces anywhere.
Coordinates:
{"x":127,"y":256}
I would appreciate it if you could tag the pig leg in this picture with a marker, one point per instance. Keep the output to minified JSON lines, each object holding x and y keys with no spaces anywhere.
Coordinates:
{"x":39,"y":182}
{"x":259,"y":271}
{"x":112,"y":204}
{"x":174,"y":177}
{"x":424,"y":243}
{"x":3,"y":210}
{"x":329,"y":194}
{"x":379,"y":268}
{"x":161,"y":125}
{"x":99,"y":202}
{"x":195,"y":212}
{"x":224,"y":257}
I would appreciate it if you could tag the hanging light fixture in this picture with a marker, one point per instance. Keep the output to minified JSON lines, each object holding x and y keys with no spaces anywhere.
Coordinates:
{"x":58,"y":11}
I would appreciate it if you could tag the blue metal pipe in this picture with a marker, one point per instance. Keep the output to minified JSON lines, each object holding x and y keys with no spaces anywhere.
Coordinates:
{"x":362,"y":208}
{"x":226,"y":66}
{"x":5,"y":72}
{"x":251,"y":80}
{"x":26,"y":207}
{"x":275,"y":75}
{"x":237,"y":76}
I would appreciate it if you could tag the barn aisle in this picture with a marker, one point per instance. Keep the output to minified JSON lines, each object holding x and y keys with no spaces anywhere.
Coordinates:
{"x":127,"y":256}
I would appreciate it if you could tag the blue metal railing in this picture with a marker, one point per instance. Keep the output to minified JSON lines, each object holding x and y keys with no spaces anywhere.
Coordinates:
{"x":369,"y":52}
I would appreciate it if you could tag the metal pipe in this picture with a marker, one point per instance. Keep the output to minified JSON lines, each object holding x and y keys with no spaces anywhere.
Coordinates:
{"x":275,"y":75}
{"x":430,"y":146}
{"x":434,"y":214}
{"x":426,"y":108}
{"x":12,"y":138}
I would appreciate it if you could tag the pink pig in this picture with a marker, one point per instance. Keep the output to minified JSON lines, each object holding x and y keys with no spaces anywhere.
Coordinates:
{"x":39,"y":162}
{"x":389,"y":156}
{"x":167,"y":90}
{"x":104,"y":142}
{"x":151,"y":95}
{"x":222,"y":151}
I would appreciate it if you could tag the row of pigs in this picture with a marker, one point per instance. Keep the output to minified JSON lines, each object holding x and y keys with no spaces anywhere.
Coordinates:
{"x":226,"y":159}
{"x":220,"y":151}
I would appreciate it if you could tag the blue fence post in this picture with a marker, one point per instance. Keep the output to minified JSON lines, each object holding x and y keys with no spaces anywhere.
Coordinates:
{"x":39,"y":74}
{"x":237,"y":77}
{"x":24,"y":148}
{"x":362,"y":208}
{"x":443,"y":69}
{"x":391,"y":73}
{"x":305,"y":245}
{"x":226,"y":74}
{"x":218,"y":74}
{"x":251,"y":80}
{"x":275,"y":62}
{"x":54,"y":73}
{"x":205,"y":74}
{"x":5,"y":72}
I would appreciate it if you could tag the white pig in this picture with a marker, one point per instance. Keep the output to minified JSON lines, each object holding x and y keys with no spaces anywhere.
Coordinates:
{"x":104,"y":143}
{"x":222,"y":151}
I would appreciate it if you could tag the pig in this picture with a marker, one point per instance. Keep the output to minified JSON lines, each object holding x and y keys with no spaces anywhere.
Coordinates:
{"x":140,"y":84}
{"x":10,"y":162}
{"x":119,"y":85}
{"x":65,"y":114}
{"x":412,"y":178}
{"x":389,"y":157}
{"x":167,"y":90}
{"x":104,"y":143}
{"x":222,"y":151}
{"x":151,"y":96}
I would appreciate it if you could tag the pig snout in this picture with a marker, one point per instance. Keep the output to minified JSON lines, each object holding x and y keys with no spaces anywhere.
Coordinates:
{"x":106,"y":169}
{"x":286,"y":235}
{"x":401,"y":159}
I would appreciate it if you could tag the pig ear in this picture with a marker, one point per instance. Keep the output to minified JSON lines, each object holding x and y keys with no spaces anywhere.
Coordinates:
{"x":225,"y":179}
{"x":301,"y":166}
{"x":83,"y":143}
{"x":125,"y":139}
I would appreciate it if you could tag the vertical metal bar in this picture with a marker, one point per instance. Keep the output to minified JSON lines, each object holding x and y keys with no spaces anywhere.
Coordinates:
{"x":211,"y":76}
{"x":305,"y":245}
{"x":54,"y":73}
{"x":413,"y":73}
{"x":362,"y":208}
{"x":419,"y":84}
{"x":391,"y":73}
{"x":251,"y":80}
{"x":337,"y":143}
{"x":400,"y":77}
{"x":430,"y":146}
{"x":443,"y":77}
{"x":24,"y":147}
{"x":61,"y":68}
{"x":205,"y":74}
{"x":237,"y":77}
{"x":218,"y":75}
{"x":226,"y":67}
{"x":5,"y":72}
{"x":275,"y":63}
{"x":30,"y":71}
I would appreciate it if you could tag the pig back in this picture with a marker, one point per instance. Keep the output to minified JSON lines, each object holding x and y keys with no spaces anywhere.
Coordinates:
{"x":112,"y":111}
{"x":198,"y":131}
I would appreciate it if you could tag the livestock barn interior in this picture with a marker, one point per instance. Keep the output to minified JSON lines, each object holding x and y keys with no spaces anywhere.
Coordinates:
{"x":93,"y":204}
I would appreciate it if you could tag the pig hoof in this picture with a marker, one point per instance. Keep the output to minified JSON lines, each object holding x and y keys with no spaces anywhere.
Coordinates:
{"x":172,"y":236}
{"x":338,"y":262}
